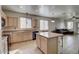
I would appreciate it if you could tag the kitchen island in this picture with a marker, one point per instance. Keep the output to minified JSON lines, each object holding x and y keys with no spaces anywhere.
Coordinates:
{"x":49,"y":43}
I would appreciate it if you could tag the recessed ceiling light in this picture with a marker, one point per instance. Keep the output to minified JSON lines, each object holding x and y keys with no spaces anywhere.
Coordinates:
{"x":20,"y":6}
{"x":52,"y":21}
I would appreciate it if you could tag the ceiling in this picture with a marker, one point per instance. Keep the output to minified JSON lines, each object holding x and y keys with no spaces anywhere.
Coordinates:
{"x":45,"y":10}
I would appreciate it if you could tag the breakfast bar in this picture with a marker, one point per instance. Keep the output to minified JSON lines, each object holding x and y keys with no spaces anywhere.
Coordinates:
{"x":50,"y":43}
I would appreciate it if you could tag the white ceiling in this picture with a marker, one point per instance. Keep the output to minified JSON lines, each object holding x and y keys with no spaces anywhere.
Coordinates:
{"x":45,"y":10}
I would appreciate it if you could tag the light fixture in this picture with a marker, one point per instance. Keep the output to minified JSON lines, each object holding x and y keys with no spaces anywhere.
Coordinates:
{"x":21,"y":6}
{"x":52,"y":21}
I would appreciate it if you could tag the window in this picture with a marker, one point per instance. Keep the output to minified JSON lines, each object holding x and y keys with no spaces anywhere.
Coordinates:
{"x":43,"y":25}
{"x":70,"y":25}
{"x":25,"y":22}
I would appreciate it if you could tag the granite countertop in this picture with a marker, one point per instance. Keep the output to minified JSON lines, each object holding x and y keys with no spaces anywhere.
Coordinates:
{"x":49,"y":34}
{"x":12,"y":30}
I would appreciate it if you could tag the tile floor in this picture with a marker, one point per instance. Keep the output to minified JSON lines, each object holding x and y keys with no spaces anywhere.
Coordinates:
{"x":25,"y":48}
{"x":70,"y":46}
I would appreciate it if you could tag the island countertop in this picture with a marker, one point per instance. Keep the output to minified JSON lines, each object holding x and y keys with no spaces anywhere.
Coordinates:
{"x":49,"y":34}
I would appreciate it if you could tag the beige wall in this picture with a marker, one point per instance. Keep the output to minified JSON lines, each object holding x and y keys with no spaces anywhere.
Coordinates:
{"x":0,"y":22}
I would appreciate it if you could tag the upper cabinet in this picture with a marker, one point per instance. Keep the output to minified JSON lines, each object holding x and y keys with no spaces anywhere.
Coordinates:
{"x":34,"y":23}
{"x":12,"y":22}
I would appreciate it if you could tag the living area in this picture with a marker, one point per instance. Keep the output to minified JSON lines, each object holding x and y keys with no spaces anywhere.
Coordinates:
{"x":69,"y":28}
{"x":64,"y":27}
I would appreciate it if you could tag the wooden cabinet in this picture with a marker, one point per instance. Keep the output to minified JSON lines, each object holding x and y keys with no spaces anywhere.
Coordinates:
{"x":43,"y":44}
{"x":27,"y":35}
{"x":34,"y":23}
{"x":19,"y":36}
{"x":12,"y":22}
{"x":38,"y":41}
{"x":16,"y":37}
{"x":52,"y":45}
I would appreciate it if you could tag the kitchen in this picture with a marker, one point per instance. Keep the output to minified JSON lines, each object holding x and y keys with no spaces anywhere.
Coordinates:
{"x":22,"y":27}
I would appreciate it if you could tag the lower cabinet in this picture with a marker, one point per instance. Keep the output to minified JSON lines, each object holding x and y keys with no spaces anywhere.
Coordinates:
{"x":27,"y":35}
{"x":52,"y":45}
{"x":19,"y":36}
{"x":16,"y":37}
{"x":49,"y":45}
{"x":43,"y":43}
{"x":38,"y":41}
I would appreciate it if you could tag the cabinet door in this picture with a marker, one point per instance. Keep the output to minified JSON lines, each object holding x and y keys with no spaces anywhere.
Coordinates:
{"x":53,"y":45}
{"x":34,"y":23}
{"x":27,"y":35}
{"x":12,"y":21}
{"x":16,"y":37}
{"x":38,"y":41}
{"x":21,"y":36}
{"x":16,"y":22}
{"x":43,"y":44}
